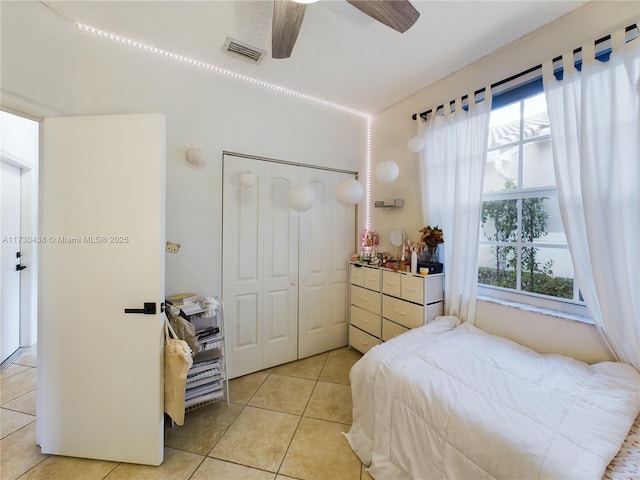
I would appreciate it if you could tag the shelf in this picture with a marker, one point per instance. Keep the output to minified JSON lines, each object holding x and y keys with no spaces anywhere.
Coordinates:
{"x":207,"y":380}
{"x":397,"y":203}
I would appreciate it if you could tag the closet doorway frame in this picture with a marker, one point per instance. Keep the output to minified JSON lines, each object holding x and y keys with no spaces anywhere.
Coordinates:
{"x":296,"y":282}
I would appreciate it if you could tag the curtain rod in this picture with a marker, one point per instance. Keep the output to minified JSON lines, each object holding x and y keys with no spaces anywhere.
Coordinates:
{"x":518,"y":75}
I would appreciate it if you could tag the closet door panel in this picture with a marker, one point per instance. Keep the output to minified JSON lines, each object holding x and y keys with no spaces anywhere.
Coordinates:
{"x":242,"y":269}
{"x":280,"y":260}
{"x":260,"y":262}
{"x":285,"y":277}
{"x":247,"y":336}
{"x":327,"y":237}
{"x":343,"y":246}
{"x":315,"y":309}
{"x":339,"y":317}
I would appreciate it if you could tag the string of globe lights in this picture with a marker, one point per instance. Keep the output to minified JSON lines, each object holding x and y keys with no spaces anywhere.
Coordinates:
{"x":301,"y":198}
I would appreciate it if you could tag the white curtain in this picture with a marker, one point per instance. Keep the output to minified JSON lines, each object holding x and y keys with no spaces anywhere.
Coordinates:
{"x":595,"y":120}
{"x":453,"y":163}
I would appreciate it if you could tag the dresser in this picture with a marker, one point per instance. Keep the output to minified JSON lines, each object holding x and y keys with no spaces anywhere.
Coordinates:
{"x":384,"y":303}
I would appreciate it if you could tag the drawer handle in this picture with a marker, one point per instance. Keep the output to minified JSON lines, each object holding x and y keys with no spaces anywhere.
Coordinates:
{"x":363,"y":342}
{"x":391,"y":283}
{"x":412,"y":289}
{"x":399,"y":312}
{"x":364,"y":299}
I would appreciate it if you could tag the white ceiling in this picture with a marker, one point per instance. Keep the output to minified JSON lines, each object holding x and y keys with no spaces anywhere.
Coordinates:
{"x":341,"y":55}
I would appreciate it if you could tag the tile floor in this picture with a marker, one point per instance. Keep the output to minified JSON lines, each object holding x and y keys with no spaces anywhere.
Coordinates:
{"x":282,"y":423}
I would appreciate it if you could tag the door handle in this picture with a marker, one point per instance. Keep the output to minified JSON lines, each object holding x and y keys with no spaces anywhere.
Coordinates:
{"x":149,"y":309}
{"x":19,"y":266}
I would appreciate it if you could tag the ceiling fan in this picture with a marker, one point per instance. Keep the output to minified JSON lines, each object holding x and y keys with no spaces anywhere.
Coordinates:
{"x":288,"y":14}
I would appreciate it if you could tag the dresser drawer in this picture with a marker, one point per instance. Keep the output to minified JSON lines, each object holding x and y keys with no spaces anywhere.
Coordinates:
{"x":405,"y":313}
{"x":391,"y":329}
{"x":356,"y":274}
{"x":361,"y":341}
{"x":372,"y":278}
{"x":434,"y":310}
{"x":435,"y":288}
{"x":413,"y":288}
{"x":365,"y":299}
{"x":391,"y":283}
{"x":367,"y":321}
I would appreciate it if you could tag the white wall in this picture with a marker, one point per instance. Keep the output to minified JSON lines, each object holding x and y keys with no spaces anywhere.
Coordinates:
{"x":47,"y":60}
{"x":393,"y":127}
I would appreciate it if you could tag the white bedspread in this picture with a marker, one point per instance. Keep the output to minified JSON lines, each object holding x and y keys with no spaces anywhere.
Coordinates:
{"x":450,"y":401}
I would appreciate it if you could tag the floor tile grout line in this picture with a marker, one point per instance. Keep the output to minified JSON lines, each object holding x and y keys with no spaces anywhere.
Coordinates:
{"x":4,"y":405}
{"x":244,"y":406}
{"x":284,"y":457}
{"x":204,"y":457}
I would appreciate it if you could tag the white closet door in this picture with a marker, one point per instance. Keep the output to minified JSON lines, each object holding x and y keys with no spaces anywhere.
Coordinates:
{"x":327,"y":238}
{"x":260,"y":249}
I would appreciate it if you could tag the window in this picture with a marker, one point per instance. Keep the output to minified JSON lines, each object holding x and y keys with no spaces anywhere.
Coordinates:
{"x":523,"y":251}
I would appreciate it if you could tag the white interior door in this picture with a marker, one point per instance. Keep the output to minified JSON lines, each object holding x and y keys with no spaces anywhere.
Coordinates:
{"x":260,"y":265}
{"x":100,"y":383}
{"x":327,"y":232}
{"x":10,"y":281}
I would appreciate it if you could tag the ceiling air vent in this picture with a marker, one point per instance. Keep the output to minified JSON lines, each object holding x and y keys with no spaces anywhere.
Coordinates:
{"x":242,"y":50}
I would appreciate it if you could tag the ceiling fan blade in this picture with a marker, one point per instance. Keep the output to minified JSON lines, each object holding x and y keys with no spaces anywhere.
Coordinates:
{"x":397,"y":14}
{"x":287,"y":20}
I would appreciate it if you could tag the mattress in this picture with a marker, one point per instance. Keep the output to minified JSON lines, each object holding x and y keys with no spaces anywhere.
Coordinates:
{"x":448,"y":400}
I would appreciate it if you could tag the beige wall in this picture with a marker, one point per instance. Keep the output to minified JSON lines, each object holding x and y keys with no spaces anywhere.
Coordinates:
{"x":393,"y":127}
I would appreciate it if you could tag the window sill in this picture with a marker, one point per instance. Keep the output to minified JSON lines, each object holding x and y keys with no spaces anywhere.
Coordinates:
{"x":540,"y":310}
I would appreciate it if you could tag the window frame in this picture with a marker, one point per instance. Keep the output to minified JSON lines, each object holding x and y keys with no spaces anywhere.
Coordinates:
{"x":555,"y":305}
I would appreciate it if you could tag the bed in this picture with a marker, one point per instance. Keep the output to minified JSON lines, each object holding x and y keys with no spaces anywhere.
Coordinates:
{"x":448,"y":400}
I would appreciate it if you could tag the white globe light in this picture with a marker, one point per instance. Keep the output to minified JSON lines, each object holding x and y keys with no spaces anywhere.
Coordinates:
{"x":248,"y":179}
{"x":349,"y":192}
{"x":415,"y":144}
{"x":301,"y":197}
{"x":197,"y":156}
{"x":387,"y":171}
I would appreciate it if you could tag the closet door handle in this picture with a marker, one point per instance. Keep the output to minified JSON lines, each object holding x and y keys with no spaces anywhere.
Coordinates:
{"x":149,"y":309}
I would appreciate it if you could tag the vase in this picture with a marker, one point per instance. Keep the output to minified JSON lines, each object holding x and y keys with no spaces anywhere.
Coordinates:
{"x":430,"y":254}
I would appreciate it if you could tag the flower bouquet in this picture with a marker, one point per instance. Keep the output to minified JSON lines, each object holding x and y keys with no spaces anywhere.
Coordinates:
{"x":431,"y":237}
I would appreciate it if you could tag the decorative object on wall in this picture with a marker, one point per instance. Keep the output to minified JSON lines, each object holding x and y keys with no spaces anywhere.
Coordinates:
{"x":172,"y":247}
{"x":301,"y":197}
{"x":349,"y":192}
{"x":196,"y":155}
{"x":387,"y":171}
{"x":248,"y":179}
{"x":415,"y":144}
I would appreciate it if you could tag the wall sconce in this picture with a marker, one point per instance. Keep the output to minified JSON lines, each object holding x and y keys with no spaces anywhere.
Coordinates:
{"x":349,"y":192}
{"x":301,"y":197}
{"x":416,"y":144}
{"x":387,"y":171}
{"x":248,"y":179}
{"x":196,"y":156}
